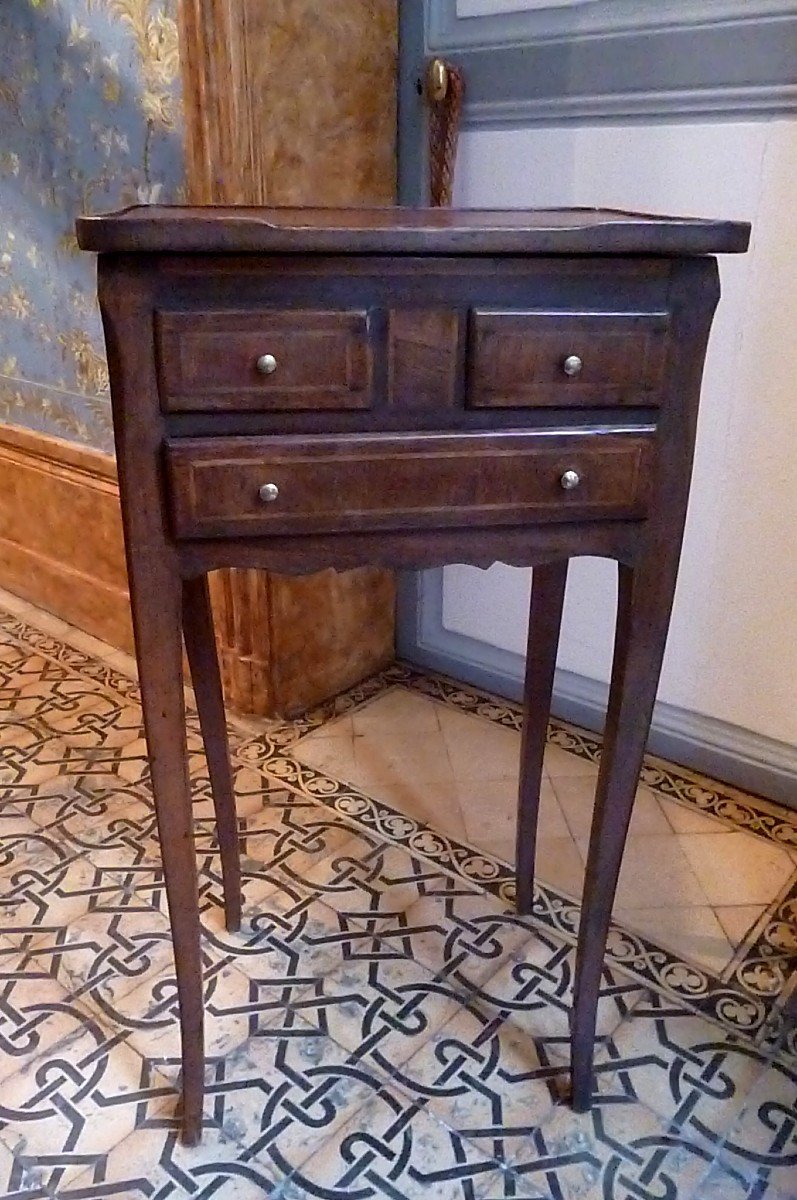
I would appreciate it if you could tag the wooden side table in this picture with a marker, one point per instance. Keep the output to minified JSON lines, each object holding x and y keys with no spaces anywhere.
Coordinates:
{"x":298,"y":389}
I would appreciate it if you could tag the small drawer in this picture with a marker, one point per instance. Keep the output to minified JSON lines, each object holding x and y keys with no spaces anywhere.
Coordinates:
{"x":266,"y":361}
{"x":565,"y":359}
{"x":232,"y":487}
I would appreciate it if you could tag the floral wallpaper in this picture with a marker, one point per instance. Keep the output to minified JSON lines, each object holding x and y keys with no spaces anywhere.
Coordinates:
{"x":90,"y":119}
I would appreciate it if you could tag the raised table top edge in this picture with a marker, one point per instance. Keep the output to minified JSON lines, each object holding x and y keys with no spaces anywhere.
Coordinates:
{"x":218,"y":229}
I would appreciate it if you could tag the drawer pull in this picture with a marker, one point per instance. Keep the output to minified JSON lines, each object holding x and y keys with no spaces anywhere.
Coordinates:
{"x":268,"y":493}
{"x":572,"y":365}
{"x":266,"y":364}
{"x":571,"y":479}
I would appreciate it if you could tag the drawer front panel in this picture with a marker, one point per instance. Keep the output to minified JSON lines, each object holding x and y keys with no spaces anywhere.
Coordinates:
{"x":282,"y":485}
{"x":267,"y":361}
{"x":553,"y":359}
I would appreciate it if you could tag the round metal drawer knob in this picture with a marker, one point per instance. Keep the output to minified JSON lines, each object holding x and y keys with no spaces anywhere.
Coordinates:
{"x":268,"y":493}
{"x":266,"y":364}
{"x":572,"y":365}
{"x":570,"y":480}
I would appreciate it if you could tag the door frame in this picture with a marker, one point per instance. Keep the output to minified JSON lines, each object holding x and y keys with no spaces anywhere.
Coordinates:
{"x":505,"y":53}
{"x":608,"y":61}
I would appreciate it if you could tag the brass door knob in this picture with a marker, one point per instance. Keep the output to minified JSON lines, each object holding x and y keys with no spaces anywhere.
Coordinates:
{"x":437,"y":80}
{"x":268,"y":493}
{"x":266,"y":364}
{"x":569,"y":480}
{"x":572,"y":365}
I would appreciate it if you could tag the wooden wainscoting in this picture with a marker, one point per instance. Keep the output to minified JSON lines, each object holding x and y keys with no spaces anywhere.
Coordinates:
{"x":61,"y":532}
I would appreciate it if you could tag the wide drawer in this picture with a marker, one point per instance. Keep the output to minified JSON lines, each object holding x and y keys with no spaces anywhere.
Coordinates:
{"x":229,"y":487}
{"x":271,"y":360}
{"x":564,"y":359}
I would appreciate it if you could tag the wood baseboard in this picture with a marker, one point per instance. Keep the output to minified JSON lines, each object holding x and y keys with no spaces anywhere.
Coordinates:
{"x":61,"y":541}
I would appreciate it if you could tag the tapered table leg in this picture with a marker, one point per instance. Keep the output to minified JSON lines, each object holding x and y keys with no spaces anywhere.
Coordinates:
{"x":545,"y":619}
{"x":200,"y":645}
{"x":155,"y":597}
{"x":644,"y":603}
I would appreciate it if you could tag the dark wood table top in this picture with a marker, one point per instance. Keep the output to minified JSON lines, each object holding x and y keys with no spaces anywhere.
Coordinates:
{"x":216,"y":229}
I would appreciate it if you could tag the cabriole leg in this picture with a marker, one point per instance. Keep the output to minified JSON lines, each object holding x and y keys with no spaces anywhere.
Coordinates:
{"x":645,"y":594}
{"x":200,"y":646}
{"x":155,"y":597}
{"x":545,"y":618}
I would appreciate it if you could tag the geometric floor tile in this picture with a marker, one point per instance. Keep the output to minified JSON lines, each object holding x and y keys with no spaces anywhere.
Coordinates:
{"x":385,"y":1024}
{"x":152,"y":1162}
{"x":392,"y":1148}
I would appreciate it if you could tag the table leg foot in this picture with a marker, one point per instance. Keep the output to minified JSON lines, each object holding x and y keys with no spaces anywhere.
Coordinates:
{"x":190,"y":1124}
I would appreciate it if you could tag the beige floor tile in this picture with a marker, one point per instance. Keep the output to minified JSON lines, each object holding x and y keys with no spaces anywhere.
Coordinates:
{"x":560,"y":864}
{"x":737,"y":868}
{"x":552,"y":820}
{"x":576,"y":796}
{"x":427,"y":795}
{"x":738,"y":919}
{"x":434,"y":803}
{"x":438,"y":805}
{"x":490,"y":802}
{"x":478,"y":749}
{"x":694,"y":933}
{"x":561,"y":762}
{"x":685,"y":819}
{"x":333,"y":755}
{"x":497,"y":840}
{"x":402,"y":752}
{"x":341,"y":726}
{"x":656,"y":874}
{"x":489,"y":812}
{"x":398,"y":710}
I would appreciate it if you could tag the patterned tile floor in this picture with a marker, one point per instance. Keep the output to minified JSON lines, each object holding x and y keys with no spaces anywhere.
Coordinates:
{"x":384,"y":1025}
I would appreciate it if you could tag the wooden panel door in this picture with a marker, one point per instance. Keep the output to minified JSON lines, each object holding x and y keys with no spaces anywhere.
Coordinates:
{"x":253,"y":136}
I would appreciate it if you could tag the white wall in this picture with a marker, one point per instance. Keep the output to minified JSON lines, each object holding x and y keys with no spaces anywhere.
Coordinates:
{"x":732,"y":652}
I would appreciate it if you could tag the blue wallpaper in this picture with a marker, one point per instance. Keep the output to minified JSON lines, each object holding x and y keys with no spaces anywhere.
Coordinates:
{"x":89,"y":120}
